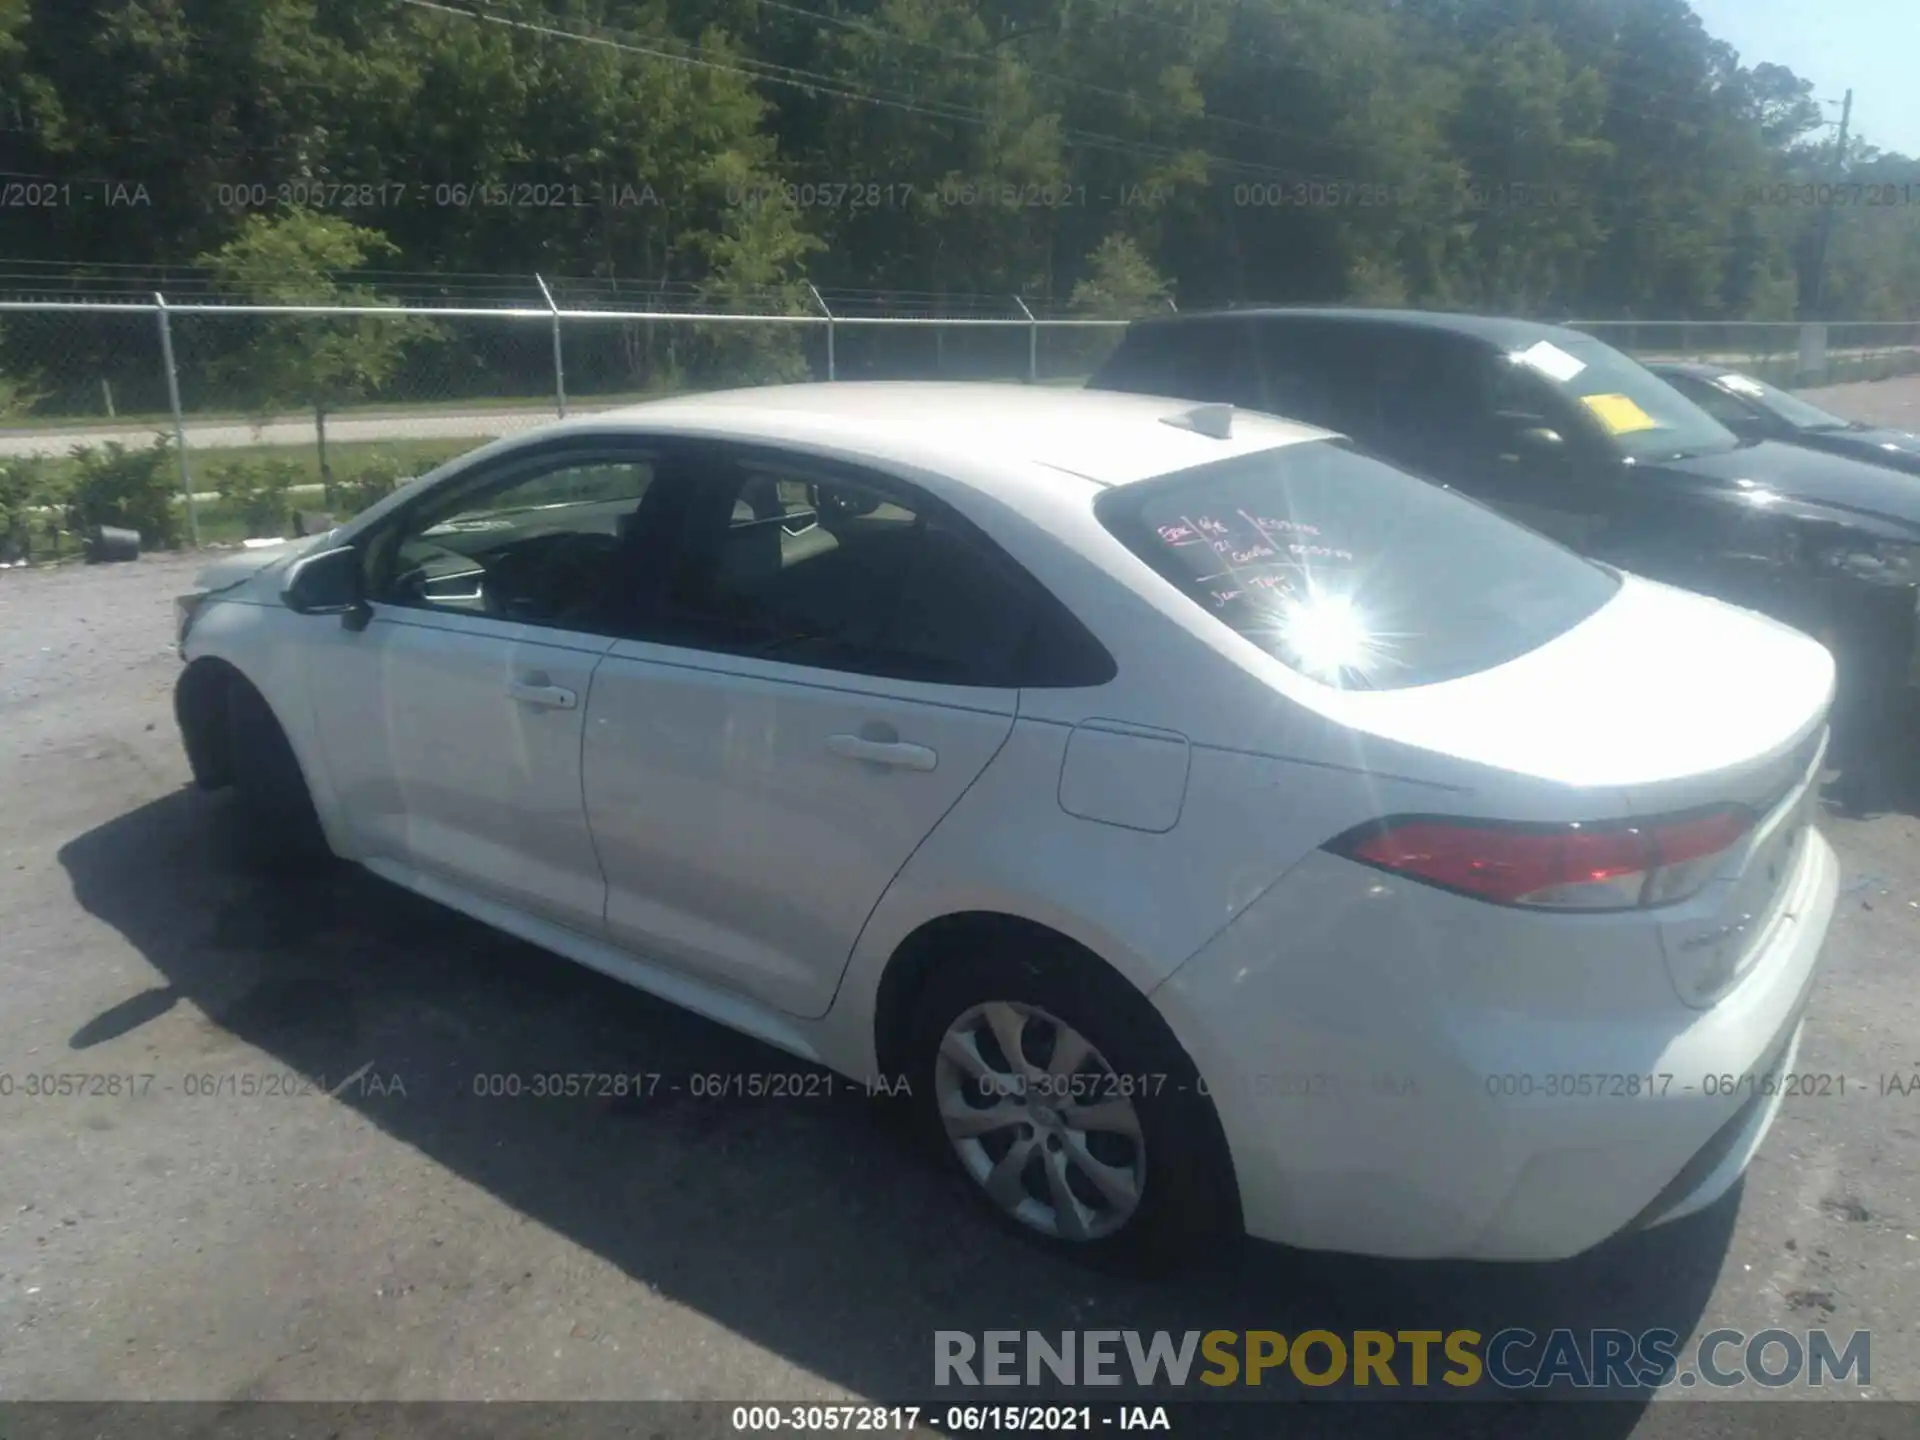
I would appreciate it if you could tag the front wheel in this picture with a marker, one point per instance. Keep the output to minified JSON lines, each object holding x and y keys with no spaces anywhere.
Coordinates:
{"x":1061,"y":1097}
{"x":279,"y":827}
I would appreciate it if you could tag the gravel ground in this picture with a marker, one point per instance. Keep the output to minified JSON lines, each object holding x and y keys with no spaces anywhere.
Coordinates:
{"x":387,"y":1234}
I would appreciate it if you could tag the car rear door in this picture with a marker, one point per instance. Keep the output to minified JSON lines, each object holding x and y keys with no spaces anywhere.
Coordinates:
{"x":1208,"y":359}
{"x":814,"y":692}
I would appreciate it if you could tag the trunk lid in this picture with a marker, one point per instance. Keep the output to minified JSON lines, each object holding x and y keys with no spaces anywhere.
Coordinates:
{"x":1669,"y":703}
{"x":1670,"y":697}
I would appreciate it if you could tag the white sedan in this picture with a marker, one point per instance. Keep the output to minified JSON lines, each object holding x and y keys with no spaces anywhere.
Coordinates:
{"x":1213,"y":827}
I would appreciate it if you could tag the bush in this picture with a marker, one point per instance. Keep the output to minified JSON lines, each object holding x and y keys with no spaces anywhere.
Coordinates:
{"x":131,"y":488}
{"x":256,"y":493}
{"x":27,"y":486}
{"x":376,"y":479}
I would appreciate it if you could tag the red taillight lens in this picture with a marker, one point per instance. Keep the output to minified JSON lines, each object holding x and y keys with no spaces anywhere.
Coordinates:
{"x":1687,"y":852}
{"x":1575,"y":867}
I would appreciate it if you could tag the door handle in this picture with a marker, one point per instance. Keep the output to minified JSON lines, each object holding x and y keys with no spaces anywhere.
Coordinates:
{"x":882,"y":752}
{"x":550,"y":697}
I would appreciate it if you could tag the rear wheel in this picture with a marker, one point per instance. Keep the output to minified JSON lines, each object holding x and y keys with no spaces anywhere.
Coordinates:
{"x":279,"y":827}
{"x":1061,"y":1097}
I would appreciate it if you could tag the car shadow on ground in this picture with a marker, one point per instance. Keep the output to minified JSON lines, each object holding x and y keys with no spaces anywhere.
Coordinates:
{"x":814,"y":1228}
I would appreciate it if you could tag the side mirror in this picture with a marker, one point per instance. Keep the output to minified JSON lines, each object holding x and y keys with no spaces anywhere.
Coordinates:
{"x":1529,"y":439}
{"x":832,"y":503}
{"x":328,"y":583}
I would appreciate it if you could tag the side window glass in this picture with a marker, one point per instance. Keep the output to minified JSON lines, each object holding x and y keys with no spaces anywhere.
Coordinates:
{"x":842,"y":573}
{"x":540,"y":548}
{"x":1321,"y":378}
{"x":1519,"y":400}
{"x":1450,"y":409}
{"x":1205,"y":362}
{"x":1715,"y":401}
{"x":1429,"y":411}
{"x":1224,"y":367}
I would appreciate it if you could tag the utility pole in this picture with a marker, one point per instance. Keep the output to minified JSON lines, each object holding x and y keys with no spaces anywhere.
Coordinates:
{"x":1817,"y":309}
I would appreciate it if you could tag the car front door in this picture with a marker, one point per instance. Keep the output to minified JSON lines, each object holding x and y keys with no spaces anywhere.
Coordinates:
{"x":1463,"y":413}
{"x":451,"y":723}
{"x":826,"y":675}
{"x":1747,"y":419}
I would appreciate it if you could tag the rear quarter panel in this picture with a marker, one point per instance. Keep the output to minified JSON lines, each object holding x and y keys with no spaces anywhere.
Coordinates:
{"x":1140,"y":897}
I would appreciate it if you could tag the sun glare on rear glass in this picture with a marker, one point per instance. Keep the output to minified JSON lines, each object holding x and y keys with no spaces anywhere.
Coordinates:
{"x":1353,"y":573}
{"x":1324,"y":634}
{"x":1328,"y":633}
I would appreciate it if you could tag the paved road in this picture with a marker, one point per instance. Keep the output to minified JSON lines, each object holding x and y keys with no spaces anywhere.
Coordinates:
{"x":402,"y":1237}
{"x":486,"y":424}
{"x":228,"y":435}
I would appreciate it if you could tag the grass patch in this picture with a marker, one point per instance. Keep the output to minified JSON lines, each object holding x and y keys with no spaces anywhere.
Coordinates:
{"x":477,"y":404}
{"x":227,"y":518}
{"x":347,"y":457}
{"x":426,"y":409}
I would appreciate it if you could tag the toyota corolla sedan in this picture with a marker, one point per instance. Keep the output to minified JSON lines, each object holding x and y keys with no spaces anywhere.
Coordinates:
{"x":1211,"y":827}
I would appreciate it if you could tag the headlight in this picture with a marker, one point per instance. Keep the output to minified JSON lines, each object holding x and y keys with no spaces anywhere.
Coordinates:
{"x":1882,"y":562}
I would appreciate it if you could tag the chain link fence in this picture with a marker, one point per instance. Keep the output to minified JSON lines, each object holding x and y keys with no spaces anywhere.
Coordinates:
{"x":1785,"y":353}
{"x":264,"y":419}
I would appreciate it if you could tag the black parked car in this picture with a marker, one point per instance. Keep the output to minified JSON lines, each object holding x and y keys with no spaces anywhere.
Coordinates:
{"x":1755,"y":410}
{"x":1570,"y":436}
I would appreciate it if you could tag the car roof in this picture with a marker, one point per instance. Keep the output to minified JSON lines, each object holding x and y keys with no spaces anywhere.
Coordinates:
{"x":1103,"y":437}
{"x":1495,"y":329}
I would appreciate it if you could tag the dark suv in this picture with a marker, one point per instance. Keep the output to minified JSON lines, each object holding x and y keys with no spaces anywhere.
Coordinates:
{"x":1570,"y":436}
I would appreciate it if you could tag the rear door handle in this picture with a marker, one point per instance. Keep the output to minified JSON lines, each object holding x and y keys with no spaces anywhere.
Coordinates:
{"x":549,"y":697}
{"x":882,"y":752}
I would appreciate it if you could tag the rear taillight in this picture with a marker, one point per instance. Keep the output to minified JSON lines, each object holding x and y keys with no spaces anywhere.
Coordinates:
{"x":1556,"y":867}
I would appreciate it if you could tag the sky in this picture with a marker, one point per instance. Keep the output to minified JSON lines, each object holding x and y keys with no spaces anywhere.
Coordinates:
{"x":1871,"y":45}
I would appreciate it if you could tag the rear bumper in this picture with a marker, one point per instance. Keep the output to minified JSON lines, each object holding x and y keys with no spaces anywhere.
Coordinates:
{"x":1380,"y":1097}
{"x":1723,"y":1159}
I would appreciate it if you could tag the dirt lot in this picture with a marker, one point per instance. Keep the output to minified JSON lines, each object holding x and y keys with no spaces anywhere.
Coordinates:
{"x":385,"y":1233}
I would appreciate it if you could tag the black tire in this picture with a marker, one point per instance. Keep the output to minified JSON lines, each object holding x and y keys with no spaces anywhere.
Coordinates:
{"x":279,"y":829}
{"x":1870,"y":744}
{"x":1187,"y":1198}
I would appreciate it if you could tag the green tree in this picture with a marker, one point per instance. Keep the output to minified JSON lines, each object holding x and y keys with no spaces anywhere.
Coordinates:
{"x":320,"y":363}
{"x":27,"y":488}
{"x":954,"y":152}
{"x":1120,"y":283}
{"x":20,"y":389}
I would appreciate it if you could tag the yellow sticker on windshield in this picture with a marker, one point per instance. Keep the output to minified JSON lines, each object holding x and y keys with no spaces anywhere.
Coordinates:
{"x":1619,"y":414}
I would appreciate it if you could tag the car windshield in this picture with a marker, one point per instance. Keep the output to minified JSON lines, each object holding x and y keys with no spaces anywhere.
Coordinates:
{"x":1643,"y":416}
{"x":1352,"y":572}
{"x":1789,"y":407}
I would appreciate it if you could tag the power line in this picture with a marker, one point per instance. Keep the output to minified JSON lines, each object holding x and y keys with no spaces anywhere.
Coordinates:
{"x":815,"y":82}
{"x":1206,"y":116}
{"x":1283,"y":62}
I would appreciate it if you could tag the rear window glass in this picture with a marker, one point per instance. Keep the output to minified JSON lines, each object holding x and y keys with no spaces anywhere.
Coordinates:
{"x":1354,"y":573}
